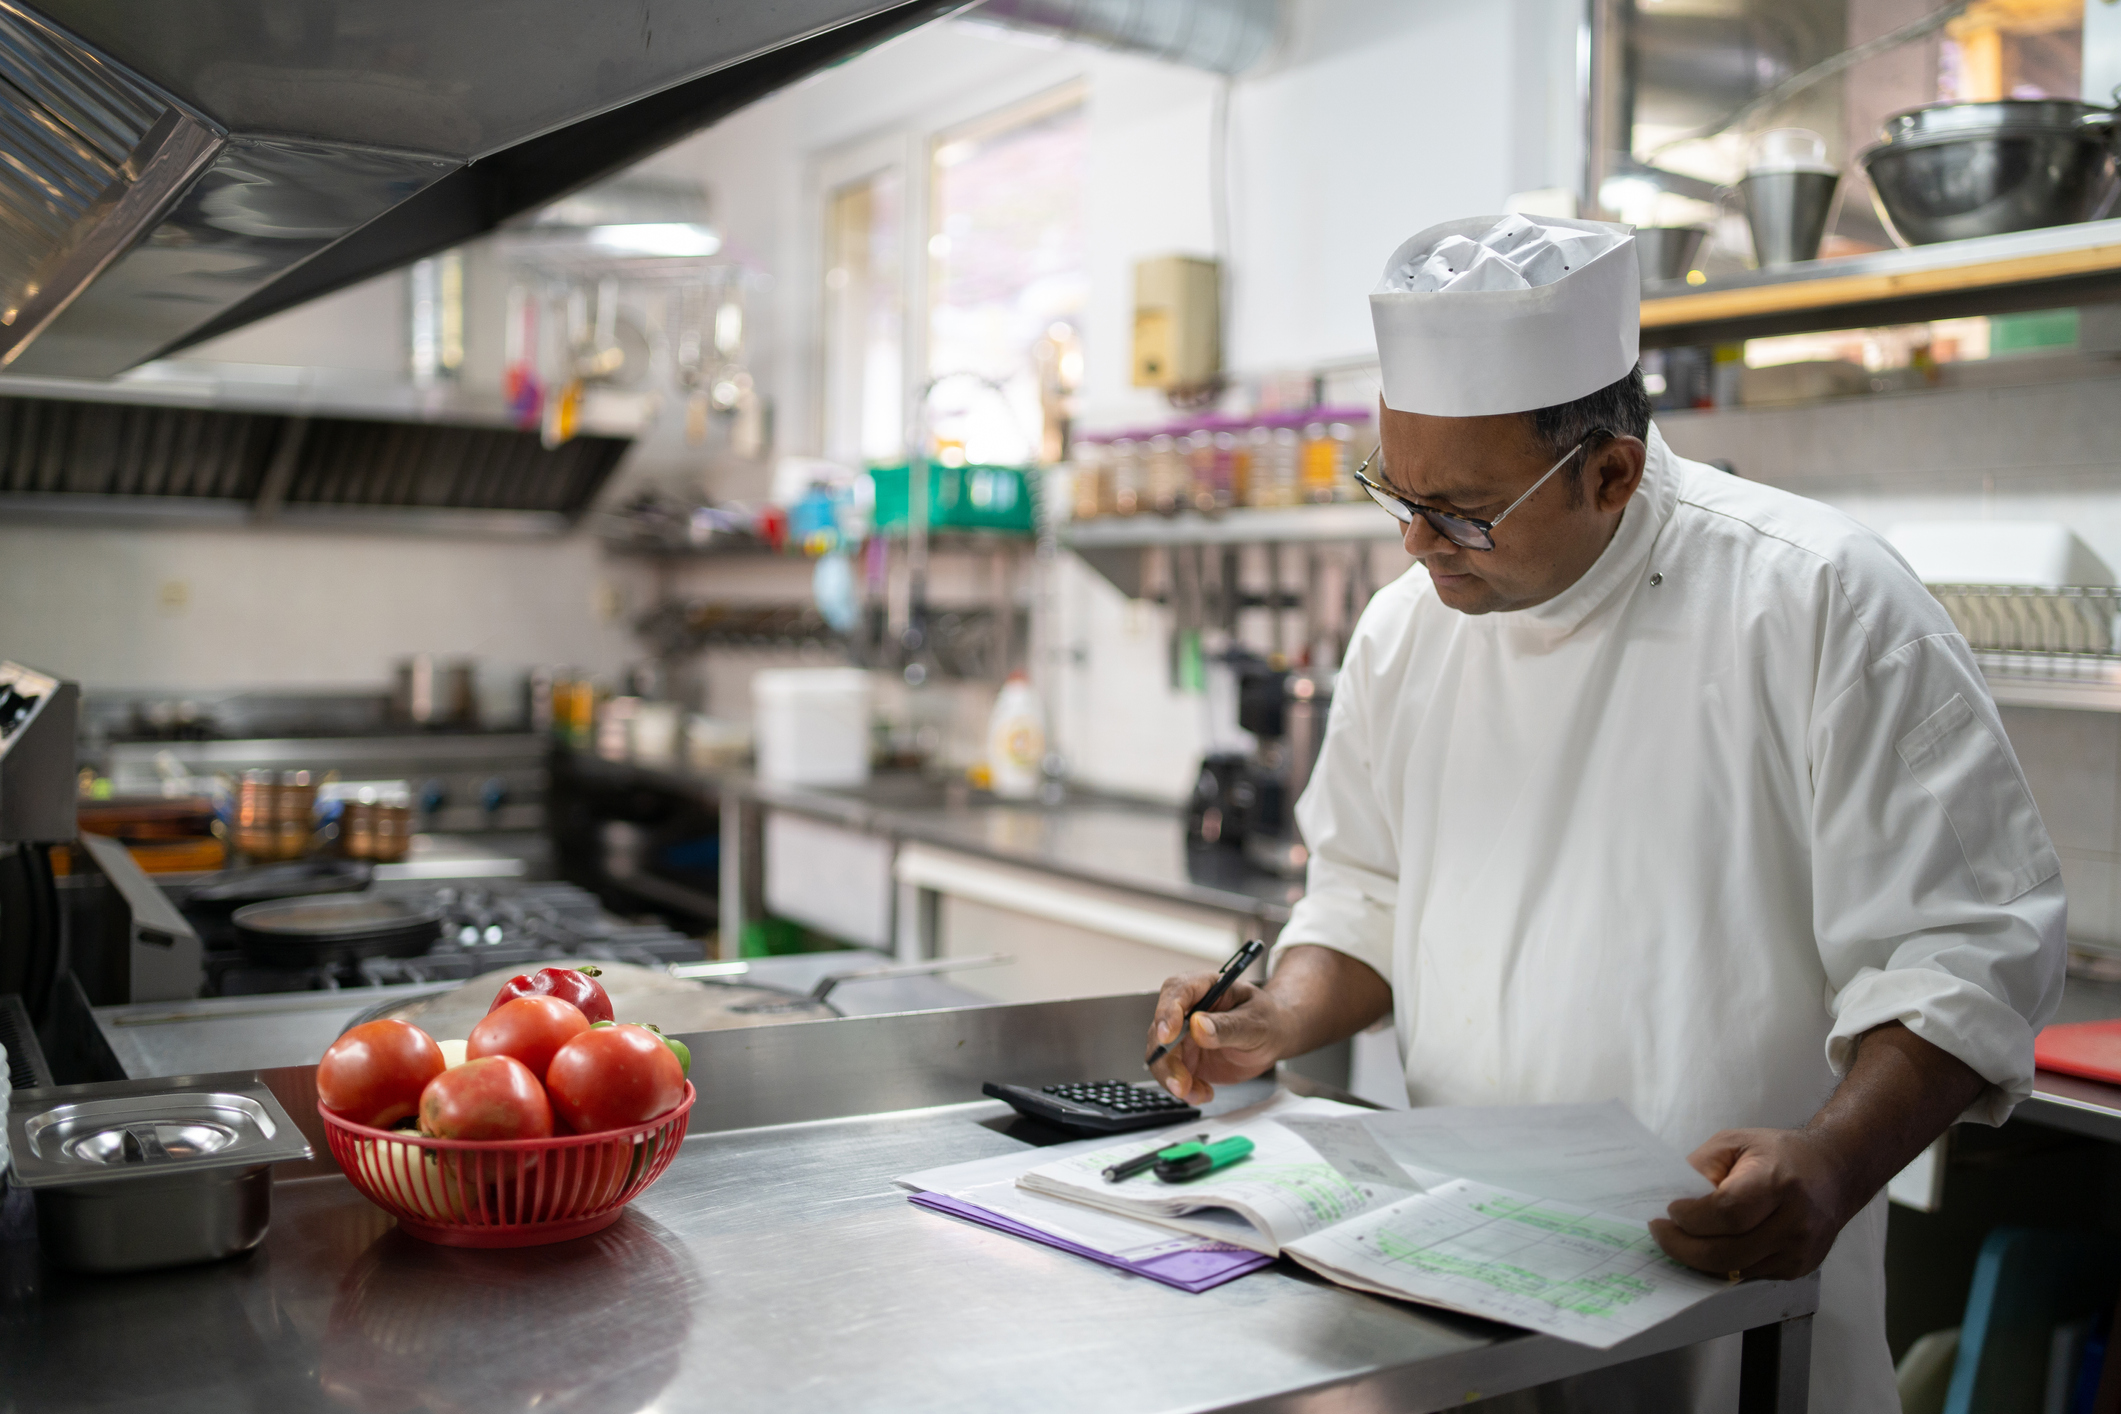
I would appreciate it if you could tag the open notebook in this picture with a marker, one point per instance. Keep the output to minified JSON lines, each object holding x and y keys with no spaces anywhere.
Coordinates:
{"x":1536,"y":1214}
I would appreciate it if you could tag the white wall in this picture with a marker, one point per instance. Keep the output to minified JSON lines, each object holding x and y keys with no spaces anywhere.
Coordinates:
{"x":1387,"y":118}
{"x":205,"y":610}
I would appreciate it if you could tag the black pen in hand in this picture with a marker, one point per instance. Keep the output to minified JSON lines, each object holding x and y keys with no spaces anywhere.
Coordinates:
{"x":1246,"y":956}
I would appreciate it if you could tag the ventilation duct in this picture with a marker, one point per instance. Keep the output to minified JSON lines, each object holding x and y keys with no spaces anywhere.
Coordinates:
{"x":72,"y":457}
{"x":1222,"y":36}
{"x":170,"y":172}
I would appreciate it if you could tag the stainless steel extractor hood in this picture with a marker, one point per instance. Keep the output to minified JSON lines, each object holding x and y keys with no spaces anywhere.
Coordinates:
{"x":172,"y":171}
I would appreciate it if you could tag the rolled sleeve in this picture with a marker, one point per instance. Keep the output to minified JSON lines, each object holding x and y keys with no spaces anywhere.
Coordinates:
{"x":1347,"y":908}
{"x":1938,"y":899}
{"x":1352,"y":884}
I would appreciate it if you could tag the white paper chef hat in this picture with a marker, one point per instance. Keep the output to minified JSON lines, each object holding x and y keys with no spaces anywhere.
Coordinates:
{"x":1497,"y":314}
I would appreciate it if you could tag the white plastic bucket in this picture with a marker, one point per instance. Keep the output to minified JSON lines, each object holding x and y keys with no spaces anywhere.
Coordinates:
{"x":812,"y":725}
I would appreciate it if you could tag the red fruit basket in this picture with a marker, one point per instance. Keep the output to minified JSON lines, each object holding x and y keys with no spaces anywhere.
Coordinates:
{"x":506,"y":1193}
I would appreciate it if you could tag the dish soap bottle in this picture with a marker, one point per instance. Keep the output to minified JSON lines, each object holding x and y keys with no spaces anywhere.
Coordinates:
{"x":1016,"y":740}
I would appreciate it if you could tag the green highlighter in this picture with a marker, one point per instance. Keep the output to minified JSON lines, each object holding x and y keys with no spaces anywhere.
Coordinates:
{"x":1183,"y":1162}
{"x":1179,"y":1163}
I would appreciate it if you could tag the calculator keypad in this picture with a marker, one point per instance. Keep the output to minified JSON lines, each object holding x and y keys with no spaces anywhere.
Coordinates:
{"x":1116,"y":1096}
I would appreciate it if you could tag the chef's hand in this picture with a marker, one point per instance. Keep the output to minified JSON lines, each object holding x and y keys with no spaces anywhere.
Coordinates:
{"x":1240,"y":1039}
{"x":1783,"y":1195}
{"x":1781,"y":1198}
{"x":1317,"y":996}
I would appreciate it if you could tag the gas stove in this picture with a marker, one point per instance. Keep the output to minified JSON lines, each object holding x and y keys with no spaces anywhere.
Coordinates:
{"x":484,"y":927}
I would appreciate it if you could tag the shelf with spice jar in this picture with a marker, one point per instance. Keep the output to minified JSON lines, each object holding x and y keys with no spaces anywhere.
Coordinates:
{"x":1216,"y":464}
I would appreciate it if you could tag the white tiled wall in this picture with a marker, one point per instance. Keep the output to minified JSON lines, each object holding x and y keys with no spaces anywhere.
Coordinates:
{"x":199,"y":612}
{"x":2040,"y":449}
{"x":2073,"y":762}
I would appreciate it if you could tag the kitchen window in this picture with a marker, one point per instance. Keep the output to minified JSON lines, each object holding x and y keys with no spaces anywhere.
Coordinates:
{"x":1007,"y":280}
{"x":865,"y":319}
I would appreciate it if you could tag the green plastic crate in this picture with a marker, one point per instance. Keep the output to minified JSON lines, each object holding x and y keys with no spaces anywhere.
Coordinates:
{"x":2033,"y":332}
{"x":999,"y":499}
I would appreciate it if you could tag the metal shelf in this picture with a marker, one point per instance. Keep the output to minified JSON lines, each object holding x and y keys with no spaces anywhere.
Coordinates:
{"x":941,"y":540}
{"x":2077,"y":694}
{"x":2044,"y":269}
{"x":1338,"y":523}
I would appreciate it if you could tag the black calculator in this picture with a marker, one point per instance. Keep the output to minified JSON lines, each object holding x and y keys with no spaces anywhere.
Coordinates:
{"x":1096,"y":1106}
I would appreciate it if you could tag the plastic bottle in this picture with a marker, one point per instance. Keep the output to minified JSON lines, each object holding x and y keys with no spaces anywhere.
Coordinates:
{"x":1016,"y":740}
{"x":1198,"y":450}
{"x":1093,"y":491}
{"x":1126,"y":472}
{"x":1232,"y":471}
{"x":1166,"y":475}
{"x":1321,"y":475}
{"x":1345,"y":457}
{"x":1287,"y":451}
{"x":1259,"y":466}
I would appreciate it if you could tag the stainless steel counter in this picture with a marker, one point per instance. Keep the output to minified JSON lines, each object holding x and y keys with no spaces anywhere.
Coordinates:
{"x":1102,"y":840}
{"x":1099,"y":840}
{"x":775,"y":1267}
{"x":293,"y":1028}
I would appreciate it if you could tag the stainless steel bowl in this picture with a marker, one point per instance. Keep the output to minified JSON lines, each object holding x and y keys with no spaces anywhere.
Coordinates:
{"x":1667,"y":252}
{"x":150,"y":1173}
{"x":1953,"y":171}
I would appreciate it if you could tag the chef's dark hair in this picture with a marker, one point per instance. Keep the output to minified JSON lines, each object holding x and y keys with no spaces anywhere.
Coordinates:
{"x":1621,"y":408}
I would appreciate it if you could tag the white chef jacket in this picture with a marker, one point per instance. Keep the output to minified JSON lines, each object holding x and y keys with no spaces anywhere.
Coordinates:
{"x":1682,"y":833}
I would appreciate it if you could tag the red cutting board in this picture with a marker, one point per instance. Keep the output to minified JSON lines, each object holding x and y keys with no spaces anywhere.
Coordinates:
{"x":2088,"y":1048}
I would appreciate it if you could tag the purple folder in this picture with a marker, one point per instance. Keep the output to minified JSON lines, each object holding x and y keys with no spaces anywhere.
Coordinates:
{"x":1193,"y":1270}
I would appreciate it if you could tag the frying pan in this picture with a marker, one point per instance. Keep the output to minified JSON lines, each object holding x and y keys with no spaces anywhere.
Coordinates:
{"x":331,"y":929}
{"x":235,"y":888}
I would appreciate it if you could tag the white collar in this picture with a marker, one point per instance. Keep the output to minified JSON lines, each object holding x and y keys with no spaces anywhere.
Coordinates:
{"x":1620,"y":564}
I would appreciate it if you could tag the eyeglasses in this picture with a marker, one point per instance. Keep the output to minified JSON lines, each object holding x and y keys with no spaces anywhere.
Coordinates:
{"x":1469,"y":531}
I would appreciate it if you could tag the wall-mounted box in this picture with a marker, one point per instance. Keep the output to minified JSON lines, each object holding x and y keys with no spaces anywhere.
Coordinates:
{"x":1177,"y":322}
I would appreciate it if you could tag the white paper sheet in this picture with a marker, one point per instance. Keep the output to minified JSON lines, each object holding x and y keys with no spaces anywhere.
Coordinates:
{"x":1594,"y":1278}
{"x":1347,"y":1144}
{"x":1597,"y":1155}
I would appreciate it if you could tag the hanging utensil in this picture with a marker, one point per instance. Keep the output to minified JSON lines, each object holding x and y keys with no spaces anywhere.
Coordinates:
{"x":604,"y":357}
{"x":690,"y":356}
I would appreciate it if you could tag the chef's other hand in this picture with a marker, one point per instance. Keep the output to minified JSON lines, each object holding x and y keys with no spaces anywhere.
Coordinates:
{"x":1780,"y":1200}
{"x":1238,"y":1041}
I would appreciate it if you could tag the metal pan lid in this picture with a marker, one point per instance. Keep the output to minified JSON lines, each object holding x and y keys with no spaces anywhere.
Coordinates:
{"x":130,"y":1130}
{"x":338,"y":918}
{"x":262,"y":883}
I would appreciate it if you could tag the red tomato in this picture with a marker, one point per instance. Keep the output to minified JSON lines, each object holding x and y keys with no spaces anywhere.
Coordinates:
{"x":612,"y":1076}
{"x":495,"y":1097}
{"x":374,"y":1074}
{"x":529,"y":1028}
{"x":569,"y":984}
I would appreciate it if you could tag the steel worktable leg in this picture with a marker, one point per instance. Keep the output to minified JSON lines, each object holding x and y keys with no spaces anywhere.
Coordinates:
{"x":1775,"y":1370}
{"x":915,"y":922}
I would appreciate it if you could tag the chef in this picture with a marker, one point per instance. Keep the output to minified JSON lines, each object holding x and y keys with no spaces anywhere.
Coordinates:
{"x":1649,"y":782}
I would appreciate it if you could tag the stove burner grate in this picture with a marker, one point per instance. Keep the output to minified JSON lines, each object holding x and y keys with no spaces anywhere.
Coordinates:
{"x":484,"y":929}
